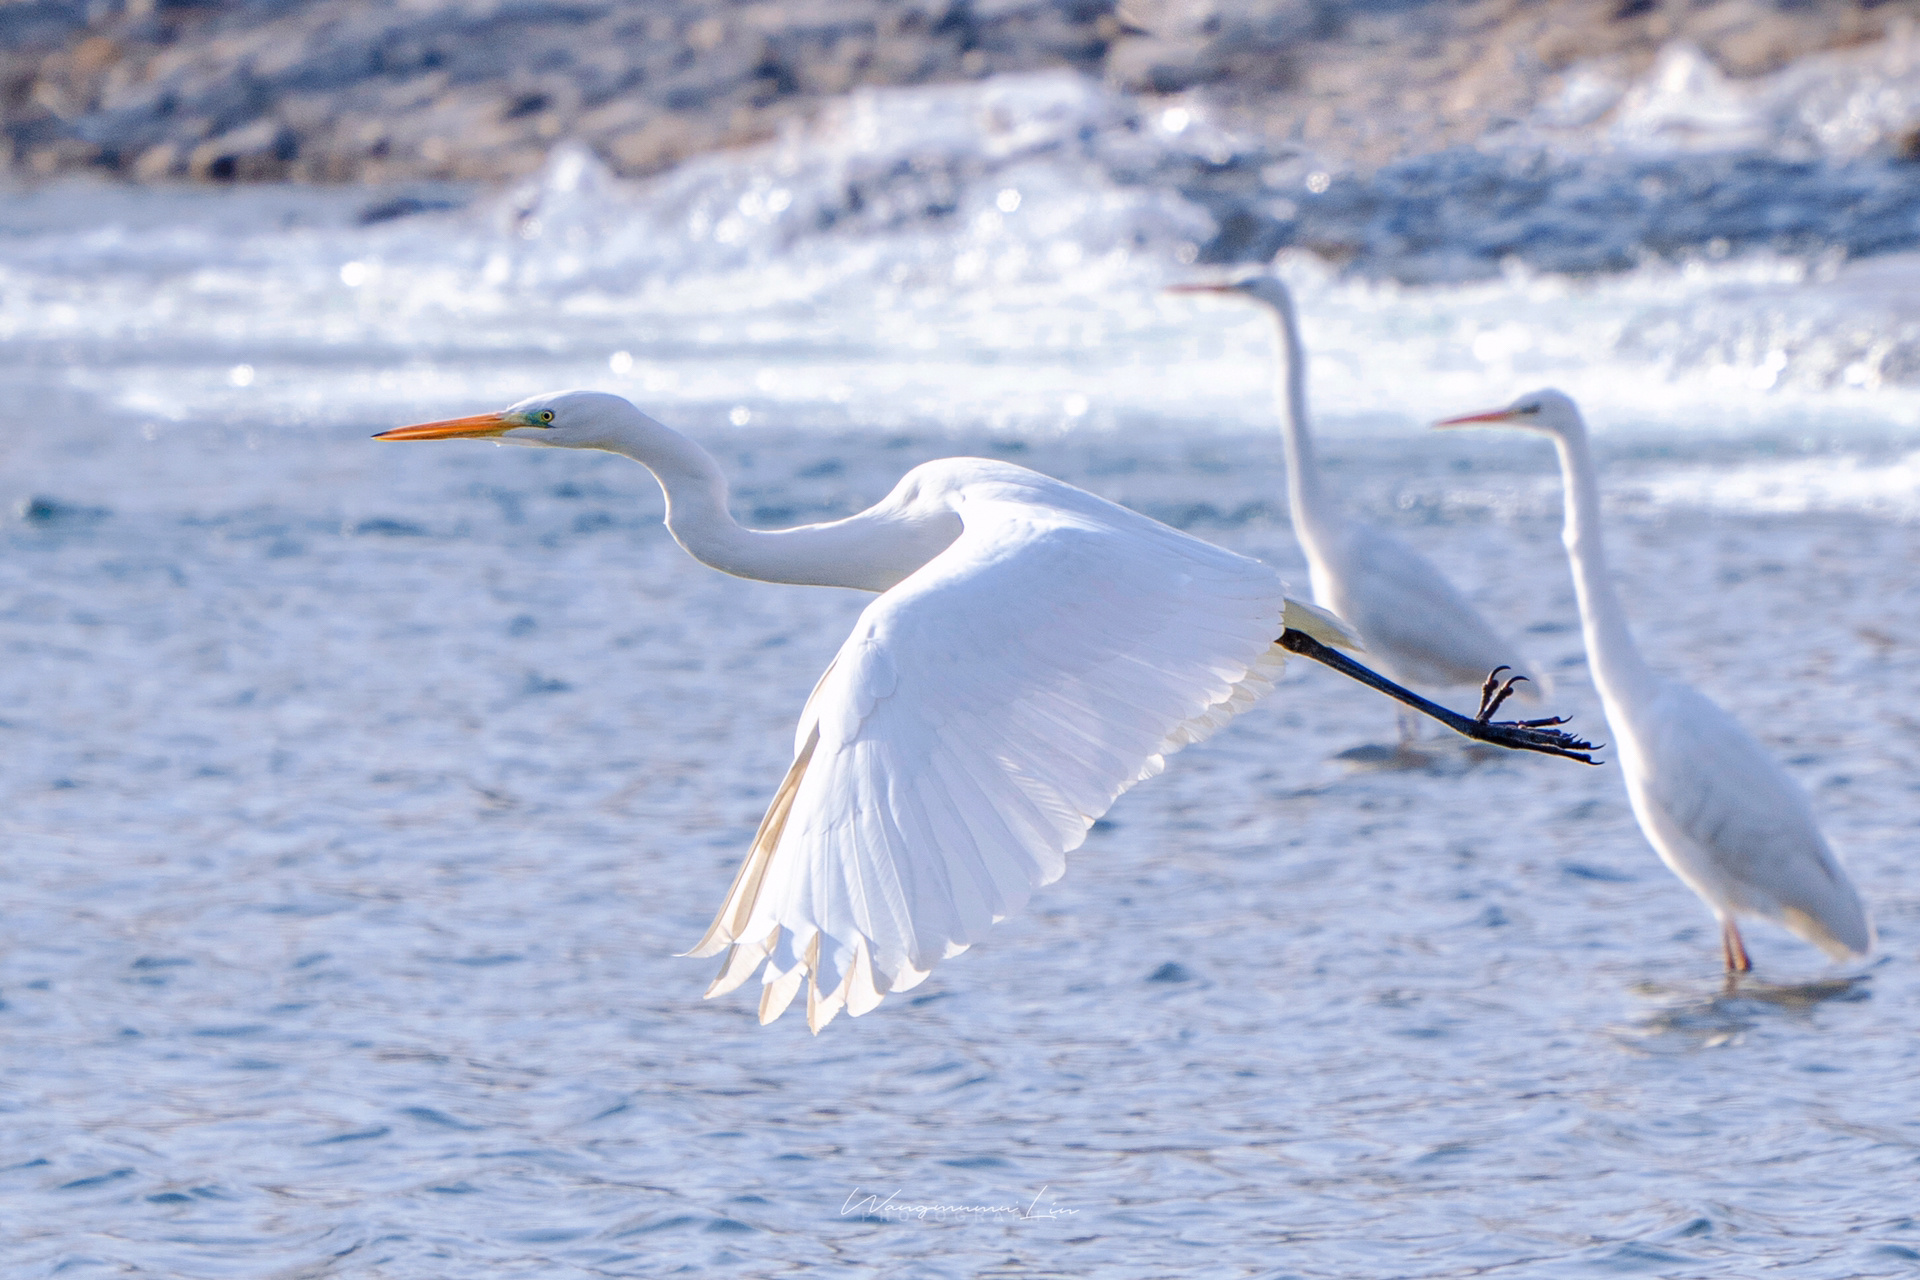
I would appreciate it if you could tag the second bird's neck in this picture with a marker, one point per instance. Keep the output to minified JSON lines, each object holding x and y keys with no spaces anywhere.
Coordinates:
{"x":1619,"y":672}
{"x":1313,"y":515}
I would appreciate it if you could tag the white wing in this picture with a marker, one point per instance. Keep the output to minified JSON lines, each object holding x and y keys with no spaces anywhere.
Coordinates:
{"x":1734,"y":825}
{"x":978,"y":720}
{"x":1415,"y":621}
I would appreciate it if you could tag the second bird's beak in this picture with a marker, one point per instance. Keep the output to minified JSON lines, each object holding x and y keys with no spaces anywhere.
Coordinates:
{"x":476,"y":427}
{"x":1476,"y":419}
{"x":1199,"y":288}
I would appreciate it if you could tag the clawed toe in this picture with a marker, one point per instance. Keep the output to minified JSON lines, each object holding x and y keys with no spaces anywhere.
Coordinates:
{"x":1533,"y":736}
{"x":1487,"y":691}
{"x":1494,"y":692}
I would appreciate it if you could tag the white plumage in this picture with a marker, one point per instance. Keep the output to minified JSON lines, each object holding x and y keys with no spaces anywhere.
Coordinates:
{"x":1719,"y":810}
{"x":981,"y":716}
{"x":1416,"y":625}
{"x":1035,"y":651}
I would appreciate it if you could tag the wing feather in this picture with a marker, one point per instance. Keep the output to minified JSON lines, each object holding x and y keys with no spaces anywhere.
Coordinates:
{"x":1416,"y":621}
{"x":746,"y":882}
{"x":982,"y":715}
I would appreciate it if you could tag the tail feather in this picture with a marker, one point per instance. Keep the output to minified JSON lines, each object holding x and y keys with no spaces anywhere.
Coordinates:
{"x":1840,"y":939}
{"x":1322,"y":625}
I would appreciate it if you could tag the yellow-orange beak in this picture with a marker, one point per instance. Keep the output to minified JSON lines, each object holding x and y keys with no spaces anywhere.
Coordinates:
{"x":478,"y":426}
{"x":1474,"y":419}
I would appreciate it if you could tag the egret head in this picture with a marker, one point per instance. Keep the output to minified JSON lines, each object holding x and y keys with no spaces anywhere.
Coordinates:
{"x":1549,"y":412}
{"x":560,"y":419}
{"x":1264,"y":287}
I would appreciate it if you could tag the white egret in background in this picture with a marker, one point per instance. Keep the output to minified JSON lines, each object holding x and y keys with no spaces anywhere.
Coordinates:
{"x":1034,"y":652}
{"x":1414,"y":623}
{"x":1720,"y":811}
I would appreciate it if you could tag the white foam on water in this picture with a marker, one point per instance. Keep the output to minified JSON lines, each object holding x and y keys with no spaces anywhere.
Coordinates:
{"x":949,"y":258}
{"x":1841,"y":104}
{"x":1888,"y":490}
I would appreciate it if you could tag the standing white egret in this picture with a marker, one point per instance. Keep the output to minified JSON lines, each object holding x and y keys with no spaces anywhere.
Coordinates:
{"x":1034,"y":652}
{"x":1719,"y":810}
{"x":1413,"y":622}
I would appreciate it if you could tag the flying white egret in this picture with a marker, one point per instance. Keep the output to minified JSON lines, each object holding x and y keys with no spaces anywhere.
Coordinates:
{"x":1413,"y":622}
{"x":1034,"y":652}
{"x":1722,"y":814}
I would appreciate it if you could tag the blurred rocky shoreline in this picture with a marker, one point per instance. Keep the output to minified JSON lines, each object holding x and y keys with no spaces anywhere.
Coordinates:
{"x":1411,"y":139}
{"x":480,"y":90}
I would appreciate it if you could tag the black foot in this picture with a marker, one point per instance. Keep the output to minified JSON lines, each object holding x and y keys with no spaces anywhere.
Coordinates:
{"x":1518,"y":735}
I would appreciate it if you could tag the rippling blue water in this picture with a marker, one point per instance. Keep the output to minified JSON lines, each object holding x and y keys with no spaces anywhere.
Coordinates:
{"x":352,"y":830}
{"x":356,"y":799}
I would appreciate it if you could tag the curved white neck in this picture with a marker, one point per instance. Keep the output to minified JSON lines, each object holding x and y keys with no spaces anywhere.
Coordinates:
{"x":1313,"y":515}
{"x":1619,"y":672}
{"x":870,"y":551}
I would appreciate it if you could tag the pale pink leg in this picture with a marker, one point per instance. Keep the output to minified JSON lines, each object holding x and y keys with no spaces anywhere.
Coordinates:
{"x":1732,"y":948}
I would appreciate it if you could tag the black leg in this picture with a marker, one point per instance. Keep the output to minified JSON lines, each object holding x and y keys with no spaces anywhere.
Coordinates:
{"x":1521,"y":735}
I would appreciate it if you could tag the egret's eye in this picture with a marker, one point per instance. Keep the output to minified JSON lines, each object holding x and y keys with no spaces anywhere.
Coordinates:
{"x":1525,"y":408}
{"x":546,"y":417}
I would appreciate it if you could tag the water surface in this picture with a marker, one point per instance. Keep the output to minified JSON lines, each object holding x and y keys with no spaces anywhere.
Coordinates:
{"x":357,"y":798}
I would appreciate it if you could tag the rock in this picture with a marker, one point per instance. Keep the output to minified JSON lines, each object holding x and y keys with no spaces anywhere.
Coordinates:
{"x":252,"y":153}
{"x":1157,"y":64}
{"x":661,"y":142}
{"x":157,"y":163}
{"x":341,"y":90}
